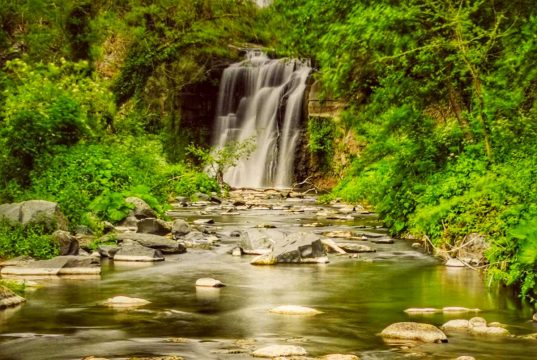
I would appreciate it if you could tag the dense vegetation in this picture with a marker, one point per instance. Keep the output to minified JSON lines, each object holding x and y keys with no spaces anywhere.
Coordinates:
{"x":443,"y":94}
{"x":90,"y":95}
{"x":441,"y":97}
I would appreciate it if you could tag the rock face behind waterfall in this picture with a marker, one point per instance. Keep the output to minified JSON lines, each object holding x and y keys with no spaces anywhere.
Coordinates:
{"x":261,"y":99}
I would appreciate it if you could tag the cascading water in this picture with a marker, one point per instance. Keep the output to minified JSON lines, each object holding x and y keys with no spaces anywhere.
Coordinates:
{"x":261,"y":99}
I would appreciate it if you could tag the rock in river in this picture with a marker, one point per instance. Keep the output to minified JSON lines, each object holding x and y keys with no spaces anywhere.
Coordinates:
{"x":295,"y":310}
{"x":296,"y":248}
{"x":161,"y":243}
{"x":414,"y":332}
{"x":456,"y":325}
{"x":9,"y":298}
{"x":125,"y":302}
{"x":137,"y":252}
{"x":273,"y":351}
{"x":179,"y":228}
{"x":209,"y":282}
{"x":60,"y":265}
{"x":153,"y":226}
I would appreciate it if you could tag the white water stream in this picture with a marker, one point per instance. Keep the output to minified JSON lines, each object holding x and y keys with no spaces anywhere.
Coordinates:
{"x":261,"y":99}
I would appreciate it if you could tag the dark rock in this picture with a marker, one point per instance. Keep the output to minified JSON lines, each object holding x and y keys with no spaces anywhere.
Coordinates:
{"x":215,"y":199}
{"x":35,"y":211}
{"x":67,"y":243}
{"x":141,"y":209}
{"x":107,"y":250}
{"x":161,"y":243}
{"x":153,"y":226}
{"x":107,"y":227}
{"x":235,"y":233}
{"x":180,"y":228}
{"x":137,"y":252}
{"x":239,"y":203}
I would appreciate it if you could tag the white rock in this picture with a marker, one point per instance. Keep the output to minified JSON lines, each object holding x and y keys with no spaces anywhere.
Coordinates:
{"x":124,"y":301}
{"x":421,"y":311}
{"x":476,"y":322}
{"x":209,"y":282}
{"x":413,"y":332}
{"x":295,"y":310}
{"x":279,"y":350}
{"x":456,"y":325}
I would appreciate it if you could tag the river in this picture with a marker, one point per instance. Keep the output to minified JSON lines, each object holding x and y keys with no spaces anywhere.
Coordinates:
{"x":359,"y":296}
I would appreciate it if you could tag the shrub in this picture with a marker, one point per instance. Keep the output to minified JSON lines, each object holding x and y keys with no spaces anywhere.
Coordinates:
{"x":32,"y":240}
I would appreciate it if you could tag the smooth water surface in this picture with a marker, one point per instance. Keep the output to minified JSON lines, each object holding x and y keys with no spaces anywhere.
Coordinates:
{"x":360,"y":296}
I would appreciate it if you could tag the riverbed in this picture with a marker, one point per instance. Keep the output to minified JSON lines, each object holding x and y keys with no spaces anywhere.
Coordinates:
{"x":358,"y":296}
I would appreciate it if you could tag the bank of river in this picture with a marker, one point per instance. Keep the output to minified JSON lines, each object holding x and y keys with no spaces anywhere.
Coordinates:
{"x":359,"y":296}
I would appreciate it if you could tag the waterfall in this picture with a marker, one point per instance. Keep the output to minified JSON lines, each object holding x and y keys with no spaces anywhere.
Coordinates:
{"x":260,"y":99}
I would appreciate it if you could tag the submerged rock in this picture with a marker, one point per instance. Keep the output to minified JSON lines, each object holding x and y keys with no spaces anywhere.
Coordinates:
{"x":125,"y":302}
{"x":458,"y":309}
{"x":414,"y":332}
{"x":209,"y":282}
{"x":295,"y":310}
{"x":273,"y":351}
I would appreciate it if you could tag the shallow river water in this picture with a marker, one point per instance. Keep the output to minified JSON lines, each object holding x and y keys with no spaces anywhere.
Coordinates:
{"x":64,"y":318}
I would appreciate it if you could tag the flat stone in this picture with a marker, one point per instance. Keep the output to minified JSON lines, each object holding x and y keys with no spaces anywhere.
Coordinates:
{"x":422,"y":310}
{"x":295,"y":310}
{"x":356,"y":248}
{"x":456,"y":325}
{"x":382,"y":240}
{"x":339,"y":357}
{"x":8,"y":298}
{"x":458,"y":309}
{"x":414,"y":332}
{"x":209,"y":282}
{"x":60,"y":265}
{"x":273,"y":351}
{"x":125,"y":301}
{"x":465,"y":358}
{"x":203,"y":221}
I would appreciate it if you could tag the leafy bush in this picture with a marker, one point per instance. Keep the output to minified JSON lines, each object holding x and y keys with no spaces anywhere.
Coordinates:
{"x":192,"y":182}
{"x":32,"y":240}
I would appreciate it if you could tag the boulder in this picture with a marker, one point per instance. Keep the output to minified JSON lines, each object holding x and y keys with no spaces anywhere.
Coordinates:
{"x":209,"y":282}
{"x":456,"y":325}
{"x":67,"y":243}
{"x":273,"y":351}
{"x":412,"y":331}
{"x":125,"y":302}
{"x":141,"y":209}
{"x":153,"y":226}
{"x":35,"y":211}
{"x":9,"y":298}
{"x":60,"y":265}
{"x":259,"y":241}
{"x":297,"y":247}
{"x":295,"y":310}
{"x":137,"y":252}
{"x":180,"y":228}
{"x":130,"y":222}
{"x":157,"y":242}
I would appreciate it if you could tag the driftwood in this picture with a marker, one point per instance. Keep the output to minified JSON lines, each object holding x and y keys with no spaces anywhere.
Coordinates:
{"x":332,"y":245}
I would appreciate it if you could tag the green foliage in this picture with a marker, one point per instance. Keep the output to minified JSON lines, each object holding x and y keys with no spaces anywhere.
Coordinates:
{"x":191,"y":182}
{"x":444,"y":96}
{"x":321,"y":137}
{"x":17,"y":287}
{"x":32,"y":240}
{"x":218,"y":160}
